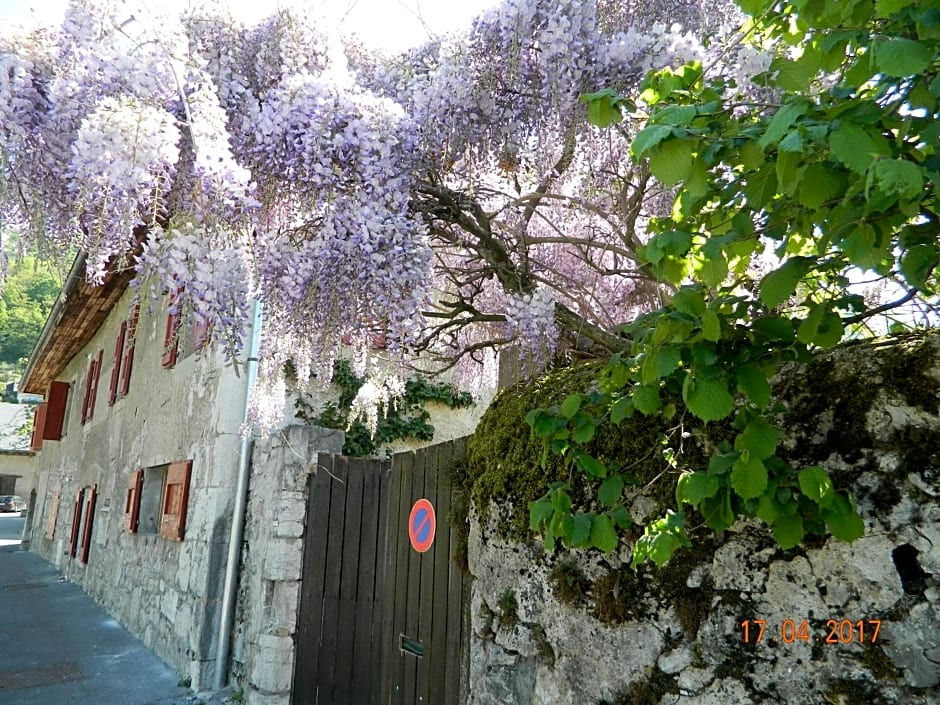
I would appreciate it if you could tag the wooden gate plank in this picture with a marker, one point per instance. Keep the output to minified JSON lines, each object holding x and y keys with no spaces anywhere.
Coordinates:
{"x":311,"y":592}
{"x":370,"y":553}
{"x":439,"y":626}
{"x":398,"y":526}
{"x":349,"y":579}
{"x":389,"y":654}
{"x":427,"y":561}
{"x":456,"y":623}
{"x":413,"y":595}
{"x":331,"y":591}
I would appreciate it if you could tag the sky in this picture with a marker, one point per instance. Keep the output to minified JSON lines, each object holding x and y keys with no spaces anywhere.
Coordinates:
{"x":387,"y":24}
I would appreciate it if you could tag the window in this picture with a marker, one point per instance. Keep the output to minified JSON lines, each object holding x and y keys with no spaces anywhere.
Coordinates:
{"x":76,"y":521}
{"x":91,"y":387}
{"x":91,"y":498}
{"x":116,"y":363}
{"x":157,"y":500}
{"x":127,"y":363}
{"x":170,"y":336}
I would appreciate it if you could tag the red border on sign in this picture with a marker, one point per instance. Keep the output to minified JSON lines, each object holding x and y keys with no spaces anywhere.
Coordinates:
{"x":422,"y":546}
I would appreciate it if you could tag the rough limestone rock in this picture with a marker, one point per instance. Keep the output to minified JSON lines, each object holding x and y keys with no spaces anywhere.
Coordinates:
{"x":580,"y":628}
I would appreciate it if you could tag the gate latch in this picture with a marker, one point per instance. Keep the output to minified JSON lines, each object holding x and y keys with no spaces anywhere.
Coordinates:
{"x":412,"y":646}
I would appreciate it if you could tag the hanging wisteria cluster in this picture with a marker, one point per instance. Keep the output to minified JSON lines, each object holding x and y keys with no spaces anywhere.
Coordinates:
{"x":451,"y":198}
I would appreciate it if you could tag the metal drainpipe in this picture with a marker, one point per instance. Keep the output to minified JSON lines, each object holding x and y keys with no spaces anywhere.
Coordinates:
{"x":238,"y":516}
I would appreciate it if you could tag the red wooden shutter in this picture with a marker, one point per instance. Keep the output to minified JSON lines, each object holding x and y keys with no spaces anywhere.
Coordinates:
{"x":132,"y":504}
{"x":53,"y":515}
{"x":55,"y":411}
{"x":128,"y":363}
{"x":87,"y":395}
{"x":116,"y":369}
{"x":175,"y":499}
{"x":94,"y":385}
{"x":39,"y":423}
{"x":170,"y":340}
{"x":89,"y":521}
{"x":200,"y":334}
{"x":76,"y":522}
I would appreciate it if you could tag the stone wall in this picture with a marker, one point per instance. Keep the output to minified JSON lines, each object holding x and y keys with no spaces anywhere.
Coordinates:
{"x":167,"y":593}
{"x":272,"y":561}
{"x":582,"y":628}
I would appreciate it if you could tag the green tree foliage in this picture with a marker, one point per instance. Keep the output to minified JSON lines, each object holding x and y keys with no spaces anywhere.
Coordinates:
{"x":835,"y":171}
{"x":27,"y":298}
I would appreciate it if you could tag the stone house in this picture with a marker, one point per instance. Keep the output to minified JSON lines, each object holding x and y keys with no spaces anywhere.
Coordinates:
{"x":149,"y":497}
{"x":137,"y":445}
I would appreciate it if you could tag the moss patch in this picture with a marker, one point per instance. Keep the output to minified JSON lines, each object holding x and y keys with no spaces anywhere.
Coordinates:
{"x":569,"y":585}
{"x":504,"y":456}
{"x":649,"y":690}
{"x":508,"y":615}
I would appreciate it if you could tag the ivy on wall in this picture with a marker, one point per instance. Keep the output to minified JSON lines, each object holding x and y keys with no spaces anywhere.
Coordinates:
{"x":408,"y":418}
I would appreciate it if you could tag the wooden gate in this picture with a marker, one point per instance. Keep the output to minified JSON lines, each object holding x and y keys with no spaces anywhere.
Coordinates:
{"x":380,"y":623}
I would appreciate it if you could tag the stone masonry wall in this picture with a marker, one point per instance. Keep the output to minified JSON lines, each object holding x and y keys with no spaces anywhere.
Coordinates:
{"x":583,"y":629}
{"x":167,"y":593}
{"x":272,"y":561}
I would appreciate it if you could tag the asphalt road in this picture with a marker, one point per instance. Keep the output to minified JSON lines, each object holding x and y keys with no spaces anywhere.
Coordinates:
{"x":11,"y":528}
{"x":57,"y":647}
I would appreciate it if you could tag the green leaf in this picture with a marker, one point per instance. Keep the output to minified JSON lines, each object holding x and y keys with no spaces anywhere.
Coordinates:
{"x":708,"y":399}
{"x":603,"y":107}
{"x":610,"y":491}
{"x":712,"y":270}
{"x":584,"y":433}
{"x":621,"y":409}
{"x":752,"y":7}
{"x":754,"y":383}
{"x":689,"y":300}
{"x":781,"y":122}
{"x":693,"y":487}
{"x":775,"y":329}
{"x":767,"y":509}
{"x":570,"y":406}
{"x":788,"y":172}
{"x":843,"y":520}
{"x":603,"y":534}
{"x":902,"y":57}
{"x":777,"y":286}
{"x":561,"y":501}
{"x":590,"y":465}
{"x":788,"y":531}
{"x":853,"y":146}
{"x":581,"y":529}
{"x":761,"y":187}
{"x":886,"y":8}
{"x":898,"y":176}
{"x":721,"y":463}
{"x":646,"y":399}
{"x":620,"y":517}
{"x":816,"y":484}
{"x":649,"y":137}
{"x":917,"y":264}
{"x":821,"y":327}
{"x":717,"y":510}
{"x":540,"y":512}
{"x":711,"y":325}
{"x":661,"y":548}
{"x":670,"y":162}
{"x":759,"y":438}
{"x":675,"y":115}
{"x":818,"y":185}
{"x":749,"y":479}
{"x":752,"y":156}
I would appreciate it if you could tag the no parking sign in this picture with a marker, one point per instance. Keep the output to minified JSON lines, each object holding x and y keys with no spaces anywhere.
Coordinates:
{"x":421,"y":525}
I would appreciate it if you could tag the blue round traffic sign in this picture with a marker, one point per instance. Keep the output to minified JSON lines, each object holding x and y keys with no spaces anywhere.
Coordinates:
{"x":422,"y":524}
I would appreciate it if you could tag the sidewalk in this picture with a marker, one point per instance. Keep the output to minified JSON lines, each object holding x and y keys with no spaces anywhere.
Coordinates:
{"x":57,"y":647}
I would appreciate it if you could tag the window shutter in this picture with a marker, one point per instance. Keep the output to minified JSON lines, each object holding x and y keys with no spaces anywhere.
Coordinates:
{"x":116,"y":369}
{"x":175,"y":499}
{"x":170,"y":341}
{"x":128,"y":363}
{"x":39,"y":423}
{"x":55,"y":411}
{"x":87,"y":395}
{"x":89,"y":522}
{"x":76,"y":519}
{"x":96,"y":375}
{"x":132,"y":504}
{"x":53,"y":515}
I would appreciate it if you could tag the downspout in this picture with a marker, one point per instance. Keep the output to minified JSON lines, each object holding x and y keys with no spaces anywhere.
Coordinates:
{"x":233,"y":562}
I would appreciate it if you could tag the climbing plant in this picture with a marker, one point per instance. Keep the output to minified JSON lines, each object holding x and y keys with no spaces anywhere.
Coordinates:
{"x":405,"y":417}
{"x":791,"y":195}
